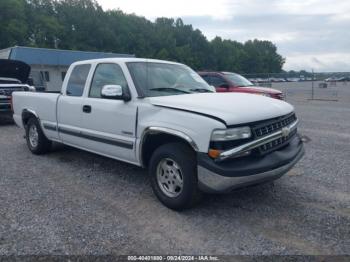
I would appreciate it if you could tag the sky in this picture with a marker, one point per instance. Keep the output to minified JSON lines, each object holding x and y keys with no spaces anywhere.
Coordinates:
{"x":310,"y":34}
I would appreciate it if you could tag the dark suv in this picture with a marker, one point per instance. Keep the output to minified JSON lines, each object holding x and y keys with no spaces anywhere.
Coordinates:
{"x":13,"y":77}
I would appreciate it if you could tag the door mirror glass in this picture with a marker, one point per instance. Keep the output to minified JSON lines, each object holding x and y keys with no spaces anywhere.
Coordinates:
{"x":112,"y":92}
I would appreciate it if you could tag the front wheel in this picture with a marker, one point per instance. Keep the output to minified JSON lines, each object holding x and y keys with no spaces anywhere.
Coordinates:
{"x":173,"y":172}
{"x":36,"y":139}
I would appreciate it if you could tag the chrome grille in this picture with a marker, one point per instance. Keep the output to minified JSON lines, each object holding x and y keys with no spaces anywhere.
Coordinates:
{"x":274,"y":126}
{"x":271,"y":127}
{"x":9,"y":91}
{"x":276,"y":143}
{"x":5,"y":104}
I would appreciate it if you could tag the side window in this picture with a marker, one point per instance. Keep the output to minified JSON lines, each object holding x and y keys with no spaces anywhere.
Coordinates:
{"x":106,"y":74}
{"x":217,"y":81}
{"x":45,"y":75}
{"x":206,"y":78}
{"x":77,"y":80}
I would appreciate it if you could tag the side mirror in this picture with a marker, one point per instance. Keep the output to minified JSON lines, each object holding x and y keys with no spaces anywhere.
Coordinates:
{"x":114,"y":92}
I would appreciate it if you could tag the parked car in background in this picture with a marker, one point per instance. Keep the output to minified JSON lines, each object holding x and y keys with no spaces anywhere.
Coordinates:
{"x":164,"y":116}
{"x":232,"y":82}
{"x":277,"y":80}
{"x":330,"y":79}
{"x":293,"y":79}
{"x":343,"y":79}
{"x":338,"y":79}
{"x":13,"y":77}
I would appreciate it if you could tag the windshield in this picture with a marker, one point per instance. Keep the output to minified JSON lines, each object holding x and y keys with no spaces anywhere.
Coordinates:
{"x":161,"y":79}
{"x":238,"y":80}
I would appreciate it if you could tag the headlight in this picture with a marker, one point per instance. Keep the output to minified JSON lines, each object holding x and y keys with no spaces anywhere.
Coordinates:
{"x":231,"y":134}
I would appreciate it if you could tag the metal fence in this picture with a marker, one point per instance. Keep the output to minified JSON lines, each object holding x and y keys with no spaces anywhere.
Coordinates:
{"x":309,"y":86}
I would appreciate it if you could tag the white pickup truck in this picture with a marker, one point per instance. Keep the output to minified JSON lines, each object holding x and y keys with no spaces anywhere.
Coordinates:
{"x":164,"y":116}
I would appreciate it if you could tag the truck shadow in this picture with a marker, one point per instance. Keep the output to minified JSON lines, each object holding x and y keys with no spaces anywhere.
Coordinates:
{"x":277,"y":212}
{"x":138,"y":177}
{"x":6,"y":122}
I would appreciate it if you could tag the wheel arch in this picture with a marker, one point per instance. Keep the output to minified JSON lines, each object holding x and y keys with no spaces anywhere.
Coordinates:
{"x":153,"y":137}
{"x":27,"y":114}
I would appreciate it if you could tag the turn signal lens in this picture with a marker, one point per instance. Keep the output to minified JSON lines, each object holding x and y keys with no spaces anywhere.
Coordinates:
{"x":213,"y":153}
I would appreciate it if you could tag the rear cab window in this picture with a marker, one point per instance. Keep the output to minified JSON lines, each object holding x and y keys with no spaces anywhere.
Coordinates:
{"x":77,"y":80}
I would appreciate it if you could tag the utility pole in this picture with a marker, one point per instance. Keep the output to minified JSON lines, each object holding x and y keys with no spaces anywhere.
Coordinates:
{"x":312,"y":90}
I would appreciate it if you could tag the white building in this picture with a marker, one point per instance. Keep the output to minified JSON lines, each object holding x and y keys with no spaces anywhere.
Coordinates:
{"x":49,"y":66}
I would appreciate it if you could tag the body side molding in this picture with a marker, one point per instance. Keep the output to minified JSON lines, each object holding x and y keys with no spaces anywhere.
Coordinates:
{"x":50,"y":127}
{"x":97,"y":138}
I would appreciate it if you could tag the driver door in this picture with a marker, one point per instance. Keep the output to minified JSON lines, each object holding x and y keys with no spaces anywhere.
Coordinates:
{"x":109,"y":123}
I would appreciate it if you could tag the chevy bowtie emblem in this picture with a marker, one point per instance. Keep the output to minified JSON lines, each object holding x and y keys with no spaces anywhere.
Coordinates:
{"x":285,"y":131}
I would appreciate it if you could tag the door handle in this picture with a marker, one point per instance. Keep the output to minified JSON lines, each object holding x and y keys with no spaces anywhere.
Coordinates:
{"x":86,"y":109}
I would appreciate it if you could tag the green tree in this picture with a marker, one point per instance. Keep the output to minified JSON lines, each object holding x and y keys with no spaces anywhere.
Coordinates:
{"x":13,"y":23}
{"x":84,"y":25}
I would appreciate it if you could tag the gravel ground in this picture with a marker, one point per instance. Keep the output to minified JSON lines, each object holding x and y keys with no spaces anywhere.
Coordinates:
{"x":76,"y":203}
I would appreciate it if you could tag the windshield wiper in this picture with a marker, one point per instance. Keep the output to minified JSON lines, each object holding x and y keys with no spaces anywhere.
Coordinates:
{"x":169,"y":89}
{"x":202,"y":90}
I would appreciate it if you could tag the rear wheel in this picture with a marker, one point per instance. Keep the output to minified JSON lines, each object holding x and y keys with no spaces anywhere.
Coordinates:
{"x":36,"y":140}
{"x":173,"y":171}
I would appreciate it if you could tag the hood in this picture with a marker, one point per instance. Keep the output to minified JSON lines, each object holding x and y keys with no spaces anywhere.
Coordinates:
{"x":260,"y":89}
{"x":14,"y":69}
{"x":230,"y":108}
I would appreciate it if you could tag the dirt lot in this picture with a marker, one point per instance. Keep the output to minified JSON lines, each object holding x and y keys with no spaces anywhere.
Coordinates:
{"x":73,"y":202}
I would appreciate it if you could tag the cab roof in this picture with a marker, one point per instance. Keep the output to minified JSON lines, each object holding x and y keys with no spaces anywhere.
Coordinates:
{"x":124,"y":60}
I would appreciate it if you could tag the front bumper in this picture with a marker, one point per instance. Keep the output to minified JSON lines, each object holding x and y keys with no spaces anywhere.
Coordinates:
{"x":214,"y":177}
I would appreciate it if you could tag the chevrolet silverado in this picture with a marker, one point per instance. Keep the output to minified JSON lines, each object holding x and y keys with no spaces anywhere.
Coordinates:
{"x":163,"y":116}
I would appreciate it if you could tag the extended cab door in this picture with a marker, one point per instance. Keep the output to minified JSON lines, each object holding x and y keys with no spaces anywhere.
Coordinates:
{"x":70,"y":106}
{"x":110,"y":123}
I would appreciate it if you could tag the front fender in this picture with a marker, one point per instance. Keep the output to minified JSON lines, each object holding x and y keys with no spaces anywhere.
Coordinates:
{"x":193,"y":128}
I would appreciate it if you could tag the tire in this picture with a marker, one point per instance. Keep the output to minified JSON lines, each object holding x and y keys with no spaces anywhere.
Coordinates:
{"x":37,"y":142}
{"x":169,"y":165}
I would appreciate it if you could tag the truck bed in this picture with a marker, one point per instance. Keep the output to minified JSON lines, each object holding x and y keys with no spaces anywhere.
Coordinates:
{"x":43,"y":103}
